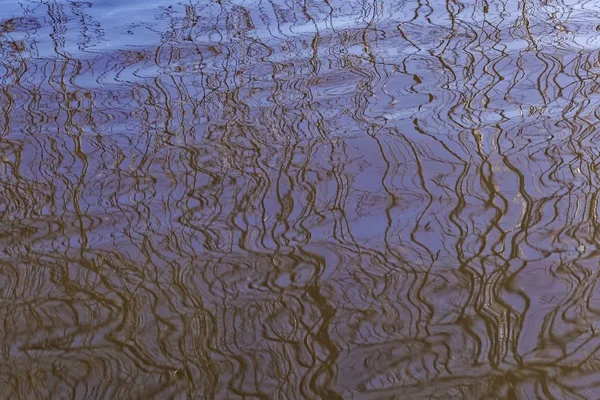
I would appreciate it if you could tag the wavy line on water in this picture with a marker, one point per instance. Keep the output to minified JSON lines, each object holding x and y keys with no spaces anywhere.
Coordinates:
{"x":303,"y":199}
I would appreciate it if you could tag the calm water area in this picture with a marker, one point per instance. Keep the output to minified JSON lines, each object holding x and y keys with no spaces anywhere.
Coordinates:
{"x":299,"y":199}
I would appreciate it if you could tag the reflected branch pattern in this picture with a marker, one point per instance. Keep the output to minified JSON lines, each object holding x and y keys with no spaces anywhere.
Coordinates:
{"x":286,"y":199}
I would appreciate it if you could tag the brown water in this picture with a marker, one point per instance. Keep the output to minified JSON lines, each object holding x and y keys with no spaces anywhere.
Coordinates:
{"x":283,"y":199}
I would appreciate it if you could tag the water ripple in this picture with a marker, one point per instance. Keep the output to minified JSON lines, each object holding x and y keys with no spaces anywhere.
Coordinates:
{"x":289,"y":199}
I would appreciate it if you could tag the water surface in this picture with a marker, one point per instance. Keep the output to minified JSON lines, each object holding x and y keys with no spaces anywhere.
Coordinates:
{"x":283,"y":199}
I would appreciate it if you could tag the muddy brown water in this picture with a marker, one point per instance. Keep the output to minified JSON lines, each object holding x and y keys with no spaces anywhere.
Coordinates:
{"x":283,"y":199}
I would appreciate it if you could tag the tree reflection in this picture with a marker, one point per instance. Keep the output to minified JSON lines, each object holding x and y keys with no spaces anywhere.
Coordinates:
{"x":300,"y":200}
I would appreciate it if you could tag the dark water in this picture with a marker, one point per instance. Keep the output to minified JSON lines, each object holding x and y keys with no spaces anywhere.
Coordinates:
{"x":283,"y":199}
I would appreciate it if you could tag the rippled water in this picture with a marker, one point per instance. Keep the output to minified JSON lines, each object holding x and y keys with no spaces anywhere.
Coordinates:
{"x":286,"y":199}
